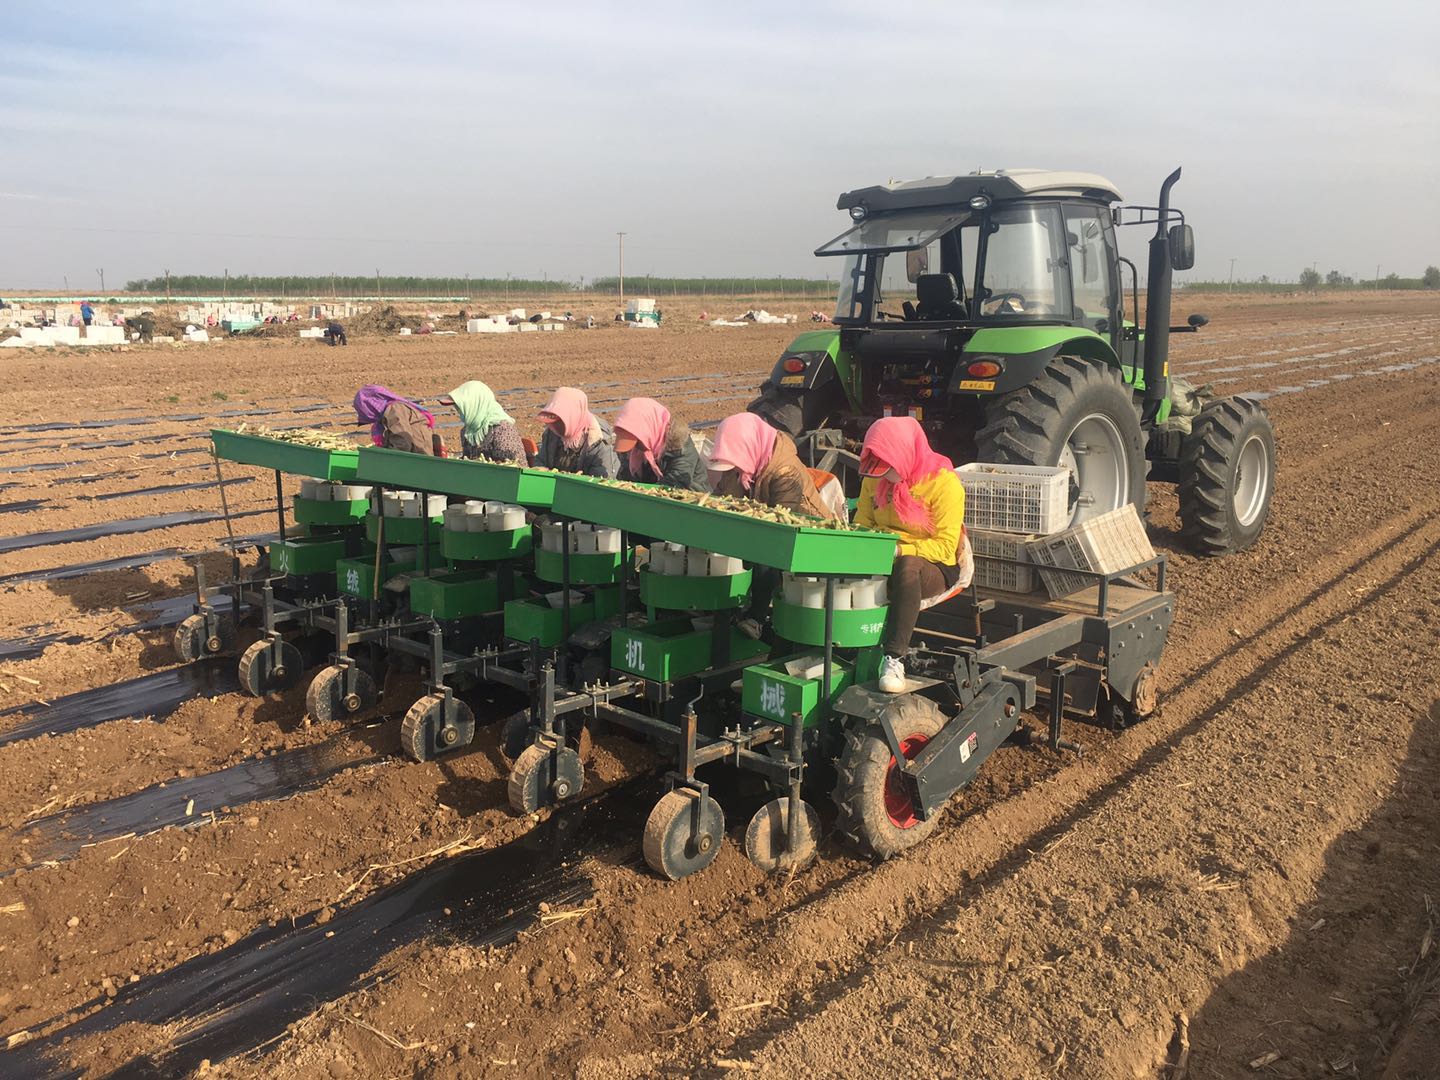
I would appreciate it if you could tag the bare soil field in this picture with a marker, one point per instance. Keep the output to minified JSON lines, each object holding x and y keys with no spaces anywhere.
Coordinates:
{"x":1246,"y":884}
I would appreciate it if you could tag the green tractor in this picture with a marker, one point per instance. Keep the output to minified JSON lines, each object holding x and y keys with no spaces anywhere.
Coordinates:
{"x":992,"y":308}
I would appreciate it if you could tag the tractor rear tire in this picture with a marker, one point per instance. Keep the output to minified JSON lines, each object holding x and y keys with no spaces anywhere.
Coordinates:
{"x":1227,"y":476}
{"x":1080,"y":414}
{"x":877,"y":813}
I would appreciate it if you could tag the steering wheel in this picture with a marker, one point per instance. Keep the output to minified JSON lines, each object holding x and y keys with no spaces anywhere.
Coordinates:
{"x":994,"y":302}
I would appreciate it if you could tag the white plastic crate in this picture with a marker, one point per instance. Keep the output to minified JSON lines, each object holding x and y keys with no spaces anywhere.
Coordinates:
{"x":1106,"y":544}
{"x":999,"y":575}
{"x":1025,"y":499}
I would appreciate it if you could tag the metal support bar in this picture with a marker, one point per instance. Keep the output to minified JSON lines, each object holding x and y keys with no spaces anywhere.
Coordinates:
{"x":280,"y":501}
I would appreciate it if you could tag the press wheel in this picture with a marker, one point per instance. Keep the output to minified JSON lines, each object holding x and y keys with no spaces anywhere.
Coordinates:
{"x":268,"y":667}
{"x":683,"y":833}
{"x":430,"y":729}
{"x":543,"y":776}
{"x":326,"y":698}
{"x":191,"y":642}
{"x":767,"y":836}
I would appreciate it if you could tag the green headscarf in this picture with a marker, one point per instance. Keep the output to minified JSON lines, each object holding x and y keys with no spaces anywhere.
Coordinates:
{"x":478,"y":409}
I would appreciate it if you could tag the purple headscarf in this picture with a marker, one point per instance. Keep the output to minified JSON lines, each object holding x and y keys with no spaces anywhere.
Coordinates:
{"x":372,"y":400}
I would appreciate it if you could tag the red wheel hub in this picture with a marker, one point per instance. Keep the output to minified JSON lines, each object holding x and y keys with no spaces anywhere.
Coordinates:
{"x":899,"y":805}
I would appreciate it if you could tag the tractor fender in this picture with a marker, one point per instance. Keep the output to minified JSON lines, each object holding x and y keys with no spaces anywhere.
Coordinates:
{"x":807,"y":398}
{"x":1022,"y":353}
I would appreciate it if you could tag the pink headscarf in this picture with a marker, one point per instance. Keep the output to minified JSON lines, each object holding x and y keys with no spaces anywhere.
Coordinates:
{"x":899,"y":443}
{"x":746,"y":442}
{"x":649,"y":422}
{"x":571,"y":407}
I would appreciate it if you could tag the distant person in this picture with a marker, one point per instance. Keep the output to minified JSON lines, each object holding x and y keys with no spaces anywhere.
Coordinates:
{"x":397,"y":423}
{"x":87,"y":313}
{"x":656,"y":449}
{"x":488,"y":431}
{"x":575,"y":439}
{"x":143,"y":324}
{"x":335,"y":334}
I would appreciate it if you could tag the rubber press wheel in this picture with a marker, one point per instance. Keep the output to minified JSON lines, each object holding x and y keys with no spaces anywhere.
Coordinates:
{"x":767,"y":836}
{"x":326,"y":698}
{"x":683,"y":833}
{"x":269,"y":667}
{"x":543,"y":776}
{"x":191,"y":642}
{"x":430,"y":729}
{"x":877,"y":811}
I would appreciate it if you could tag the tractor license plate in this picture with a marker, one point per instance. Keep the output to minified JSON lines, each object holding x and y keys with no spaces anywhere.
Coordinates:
{"x":977,"y":384}
{"x":792,"y":380}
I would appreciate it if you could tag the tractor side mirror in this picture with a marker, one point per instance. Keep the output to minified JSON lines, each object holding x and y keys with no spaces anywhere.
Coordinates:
{"x":1182,"y":247}
{"x":1198,"y":321}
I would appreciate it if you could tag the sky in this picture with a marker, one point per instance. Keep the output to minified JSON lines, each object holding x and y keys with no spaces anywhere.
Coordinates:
{"x":452,"y":138}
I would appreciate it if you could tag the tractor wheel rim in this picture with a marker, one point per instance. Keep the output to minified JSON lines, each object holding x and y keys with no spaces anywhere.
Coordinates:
{"x":1095,"y":454}
{"x":1252,"y":480}
{"x":899,"y":806}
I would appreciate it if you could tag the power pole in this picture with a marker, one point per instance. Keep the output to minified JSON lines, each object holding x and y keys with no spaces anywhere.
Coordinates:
{"x":377,"y":284}
{"x":101,"y":272}
{"x":225,"y":288}
{"x":1232,"y":275}
{"x":1377,"y":277}
{"x":621,"y":235}
{"x":167,"y":286}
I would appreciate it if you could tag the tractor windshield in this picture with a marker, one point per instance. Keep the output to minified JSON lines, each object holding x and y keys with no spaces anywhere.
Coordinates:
{"x":926,"y":266}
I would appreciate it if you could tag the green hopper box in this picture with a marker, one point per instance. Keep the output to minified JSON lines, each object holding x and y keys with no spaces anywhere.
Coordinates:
{"x":771,"y":693}
{"x":672,"y":649}
{"x":529,"y":619}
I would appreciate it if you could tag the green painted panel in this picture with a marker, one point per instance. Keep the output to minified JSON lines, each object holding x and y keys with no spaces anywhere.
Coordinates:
{"x":485,"y":546}
{"x":356,"y":577}
{"x":456,"y":476}
{"x":588,"y":569}
{"x":301,"y":555}
{"x":850,"y":629}
{"x":457,"y":594}
{"x":799,"y":549}
{"x":678,"y":592}
{"x":403,"y":530}
{"x":287,"y":457}
{"x":770,"y":693}
{"x":529,"y":619}
{"x":321,"y":512}
{"x":672,"y":649}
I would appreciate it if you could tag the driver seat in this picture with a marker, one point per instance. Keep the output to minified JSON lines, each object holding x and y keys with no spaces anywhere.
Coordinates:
{"x":939,"y":297}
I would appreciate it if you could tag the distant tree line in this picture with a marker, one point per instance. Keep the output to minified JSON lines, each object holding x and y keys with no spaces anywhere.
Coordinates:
{"x":352,"y":285}
{"x":1311,"y":280}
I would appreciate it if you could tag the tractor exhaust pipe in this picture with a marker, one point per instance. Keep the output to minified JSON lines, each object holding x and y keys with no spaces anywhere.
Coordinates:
{"x":1157,"y":308}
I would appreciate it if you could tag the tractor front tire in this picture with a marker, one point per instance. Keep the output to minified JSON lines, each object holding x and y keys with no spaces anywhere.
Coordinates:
{"x":1227,"y":476}
{"x":1079,"y":414}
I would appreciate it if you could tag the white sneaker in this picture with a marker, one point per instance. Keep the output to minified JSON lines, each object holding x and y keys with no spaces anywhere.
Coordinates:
{"x":892,"y":675}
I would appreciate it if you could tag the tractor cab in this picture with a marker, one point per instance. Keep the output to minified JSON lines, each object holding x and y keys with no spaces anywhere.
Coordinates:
{"x":992,"y":308}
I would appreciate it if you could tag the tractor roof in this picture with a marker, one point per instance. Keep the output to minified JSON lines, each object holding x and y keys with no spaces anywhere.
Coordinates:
{"x":959,"y":190}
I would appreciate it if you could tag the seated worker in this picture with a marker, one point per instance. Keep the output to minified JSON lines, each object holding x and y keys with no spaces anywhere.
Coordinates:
{"x":488,"y":431}
{"x":654,"y":449}
{"x":397,"y":423}
{"x":914,"y":492}
{"x":575,"y":439}
{"x":753,"y":460}
{"x":335,"y":334}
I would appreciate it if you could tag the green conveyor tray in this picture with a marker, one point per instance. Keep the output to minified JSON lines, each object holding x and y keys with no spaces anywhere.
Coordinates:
{"x":287,"y":457}
{"x":798,"y":549}
{"x":456,"y":476}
